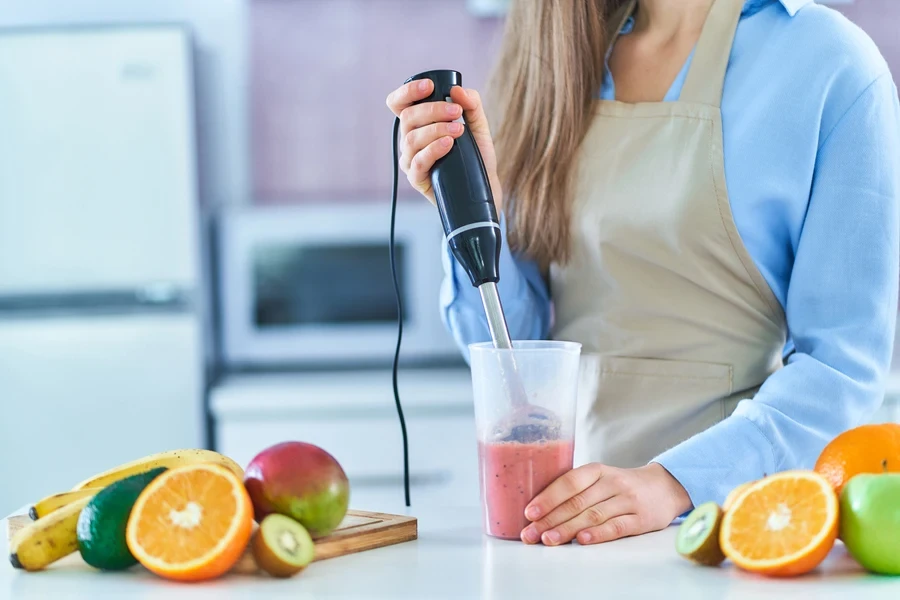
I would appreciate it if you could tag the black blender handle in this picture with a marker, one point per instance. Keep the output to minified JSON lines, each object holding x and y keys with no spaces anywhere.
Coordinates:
{"x":462,"y":191}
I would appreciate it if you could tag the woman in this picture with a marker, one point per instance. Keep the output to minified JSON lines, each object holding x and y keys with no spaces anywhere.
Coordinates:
{"x":708,"y":192}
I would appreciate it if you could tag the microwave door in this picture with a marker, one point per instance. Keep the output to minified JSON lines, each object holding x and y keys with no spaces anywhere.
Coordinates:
{"x":324,"y":302}
{"x":312,"y":286}
{"x":324,"y":286}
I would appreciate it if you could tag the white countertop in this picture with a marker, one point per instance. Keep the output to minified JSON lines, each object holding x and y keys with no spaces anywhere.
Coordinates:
{"x":451,"y":559}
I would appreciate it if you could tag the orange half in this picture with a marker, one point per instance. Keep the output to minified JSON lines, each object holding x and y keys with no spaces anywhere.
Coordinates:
{"x":734,"y":494}
{"x":191,"y":523}
{"x":782,"y":525}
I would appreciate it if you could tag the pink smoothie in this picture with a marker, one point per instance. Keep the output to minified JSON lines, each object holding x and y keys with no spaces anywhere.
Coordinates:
{"x":512,"y":474}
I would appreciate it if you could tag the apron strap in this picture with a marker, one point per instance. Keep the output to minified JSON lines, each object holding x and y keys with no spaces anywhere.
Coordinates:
{"x":706,"y":76}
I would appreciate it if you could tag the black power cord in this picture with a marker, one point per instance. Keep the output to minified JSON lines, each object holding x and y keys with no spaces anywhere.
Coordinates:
{"x":399,"y":312}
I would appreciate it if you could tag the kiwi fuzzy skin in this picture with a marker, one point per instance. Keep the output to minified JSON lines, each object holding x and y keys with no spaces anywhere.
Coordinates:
{"x":709,"y":553}
{"x":270,"y":562}
{"x":267,"y":558}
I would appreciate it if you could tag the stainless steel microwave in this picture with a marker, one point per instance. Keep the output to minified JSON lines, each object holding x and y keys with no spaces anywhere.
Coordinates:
{"x":310,"y":285}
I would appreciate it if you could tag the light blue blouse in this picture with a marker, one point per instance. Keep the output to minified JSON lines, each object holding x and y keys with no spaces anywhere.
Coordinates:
{"x":811,"y":125}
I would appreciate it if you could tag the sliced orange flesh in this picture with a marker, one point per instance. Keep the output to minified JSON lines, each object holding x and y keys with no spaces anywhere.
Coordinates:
{"x":782,"y":525}
{"x":191,"y":523}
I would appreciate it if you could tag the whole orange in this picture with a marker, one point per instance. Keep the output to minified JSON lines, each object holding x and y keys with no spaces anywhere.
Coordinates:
{"x":864,"y":449}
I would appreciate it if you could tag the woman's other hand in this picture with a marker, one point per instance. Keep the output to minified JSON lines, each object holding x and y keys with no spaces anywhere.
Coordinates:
{"x":427,"y":132}
{"x":596,"y":503}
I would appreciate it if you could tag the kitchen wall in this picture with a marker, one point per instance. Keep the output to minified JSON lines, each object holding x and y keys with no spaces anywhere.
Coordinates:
{"x":881,"y":20}
{"x":320,"y":70}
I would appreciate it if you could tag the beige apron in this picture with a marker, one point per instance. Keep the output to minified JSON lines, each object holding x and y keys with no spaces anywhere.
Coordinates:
{"x":676,"y":322}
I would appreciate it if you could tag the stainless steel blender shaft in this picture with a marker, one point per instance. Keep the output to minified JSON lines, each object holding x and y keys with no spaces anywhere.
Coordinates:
{"x":495,"y":317}
{"x":500,"y":336}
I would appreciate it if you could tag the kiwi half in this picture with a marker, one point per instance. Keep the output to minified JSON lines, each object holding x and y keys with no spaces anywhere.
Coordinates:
{"x":281,"y":546}
{"x":698,"y":535}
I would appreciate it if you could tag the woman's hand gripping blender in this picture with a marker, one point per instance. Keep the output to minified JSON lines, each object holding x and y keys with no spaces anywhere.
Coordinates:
{"x":451,"y":171}
{"x":427,"y":131}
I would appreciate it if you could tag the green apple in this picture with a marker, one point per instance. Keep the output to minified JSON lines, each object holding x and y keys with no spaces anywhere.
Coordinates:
{"x":870,"y":521}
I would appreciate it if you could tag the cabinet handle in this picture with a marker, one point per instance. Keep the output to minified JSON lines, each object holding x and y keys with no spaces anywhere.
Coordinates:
{"x":390,"y":480}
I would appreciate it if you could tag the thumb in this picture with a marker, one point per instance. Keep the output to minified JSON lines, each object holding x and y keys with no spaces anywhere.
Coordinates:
{"x":473,"y":109}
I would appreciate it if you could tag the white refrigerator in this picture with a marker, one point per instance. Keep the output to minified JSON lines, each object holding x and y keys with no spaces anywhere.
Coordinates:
{"x":102,"y":322}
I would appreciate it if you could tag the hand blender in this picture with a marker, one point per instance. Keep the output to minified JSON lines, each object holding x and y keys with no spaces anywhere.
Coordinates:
{"x":472,"y":228}
{"x":466,"y":205}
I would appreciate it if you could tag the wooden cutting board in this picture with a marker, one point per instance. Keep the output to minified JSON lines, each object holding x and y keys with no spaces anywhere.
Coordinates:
{"x":359,"y":531}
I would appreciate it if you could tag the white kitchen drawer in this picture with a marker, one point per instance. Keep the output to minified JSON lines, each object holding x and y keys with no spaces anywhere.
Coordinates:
{"x":352,"y":415}
{"x":443,"y":453}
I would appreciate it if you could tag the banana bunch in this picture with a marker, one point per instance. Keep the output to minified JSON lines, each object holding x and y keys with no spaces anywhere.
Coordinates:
{"x":170,"y":460}
{"x":48,"y":539}
{"x":52,"y":534}
{"x":50,"y":504}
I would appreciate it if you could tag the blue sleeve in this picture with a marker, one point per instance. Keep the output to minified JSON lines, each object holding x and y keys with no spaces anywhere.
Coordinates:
{"x":523,"y":293}
{"x":841,"y":311}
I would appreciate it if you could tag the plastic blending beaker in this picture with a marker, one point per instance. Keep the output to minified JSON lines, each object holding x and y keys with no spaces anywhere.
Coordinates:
{"x":525,"y":441}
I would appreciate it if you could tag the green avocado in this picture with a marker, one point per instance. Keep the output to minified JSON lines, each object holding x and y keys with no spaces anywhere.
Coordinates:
{"x":101,"y":525}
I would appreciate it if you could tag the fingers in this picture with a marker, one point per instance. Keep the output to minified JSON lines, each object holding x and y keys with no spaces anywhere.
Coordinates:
{"x":565,"y":487}
{"x":420,"y":138}
{"x":586,"y":501}
{"x":426,"y":128}
{"x":404,"y":96}
{"x":421,"y":115}
{"x":613,"y":529}
{"x":593,"y":516}
{"x":421,"y":163}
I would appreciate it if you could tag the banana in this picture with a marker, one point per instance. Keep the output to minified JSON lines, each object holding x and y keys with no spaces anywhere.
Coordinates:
{"x":47,"y":505}
{"x":47,"y":540}
{"x":170,"y":459}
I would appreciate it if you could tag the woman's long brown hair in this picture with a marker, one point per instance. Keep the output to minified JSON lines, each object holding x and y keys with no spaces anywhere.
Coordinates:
{"x":549,"y":70}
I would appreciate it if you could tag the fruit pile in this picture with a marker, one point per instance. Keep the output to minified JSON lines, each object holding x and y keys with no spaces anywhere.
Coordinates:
{"x":188,"y":515}
{"x":786,"y":524}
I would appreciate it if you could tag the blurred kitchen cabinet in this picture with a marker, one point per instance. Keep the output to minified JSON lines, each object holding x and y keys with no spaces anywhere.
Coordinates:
{"x":103,"y":323}
{"x":85,"y":393}
{"x":218,"y":32}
